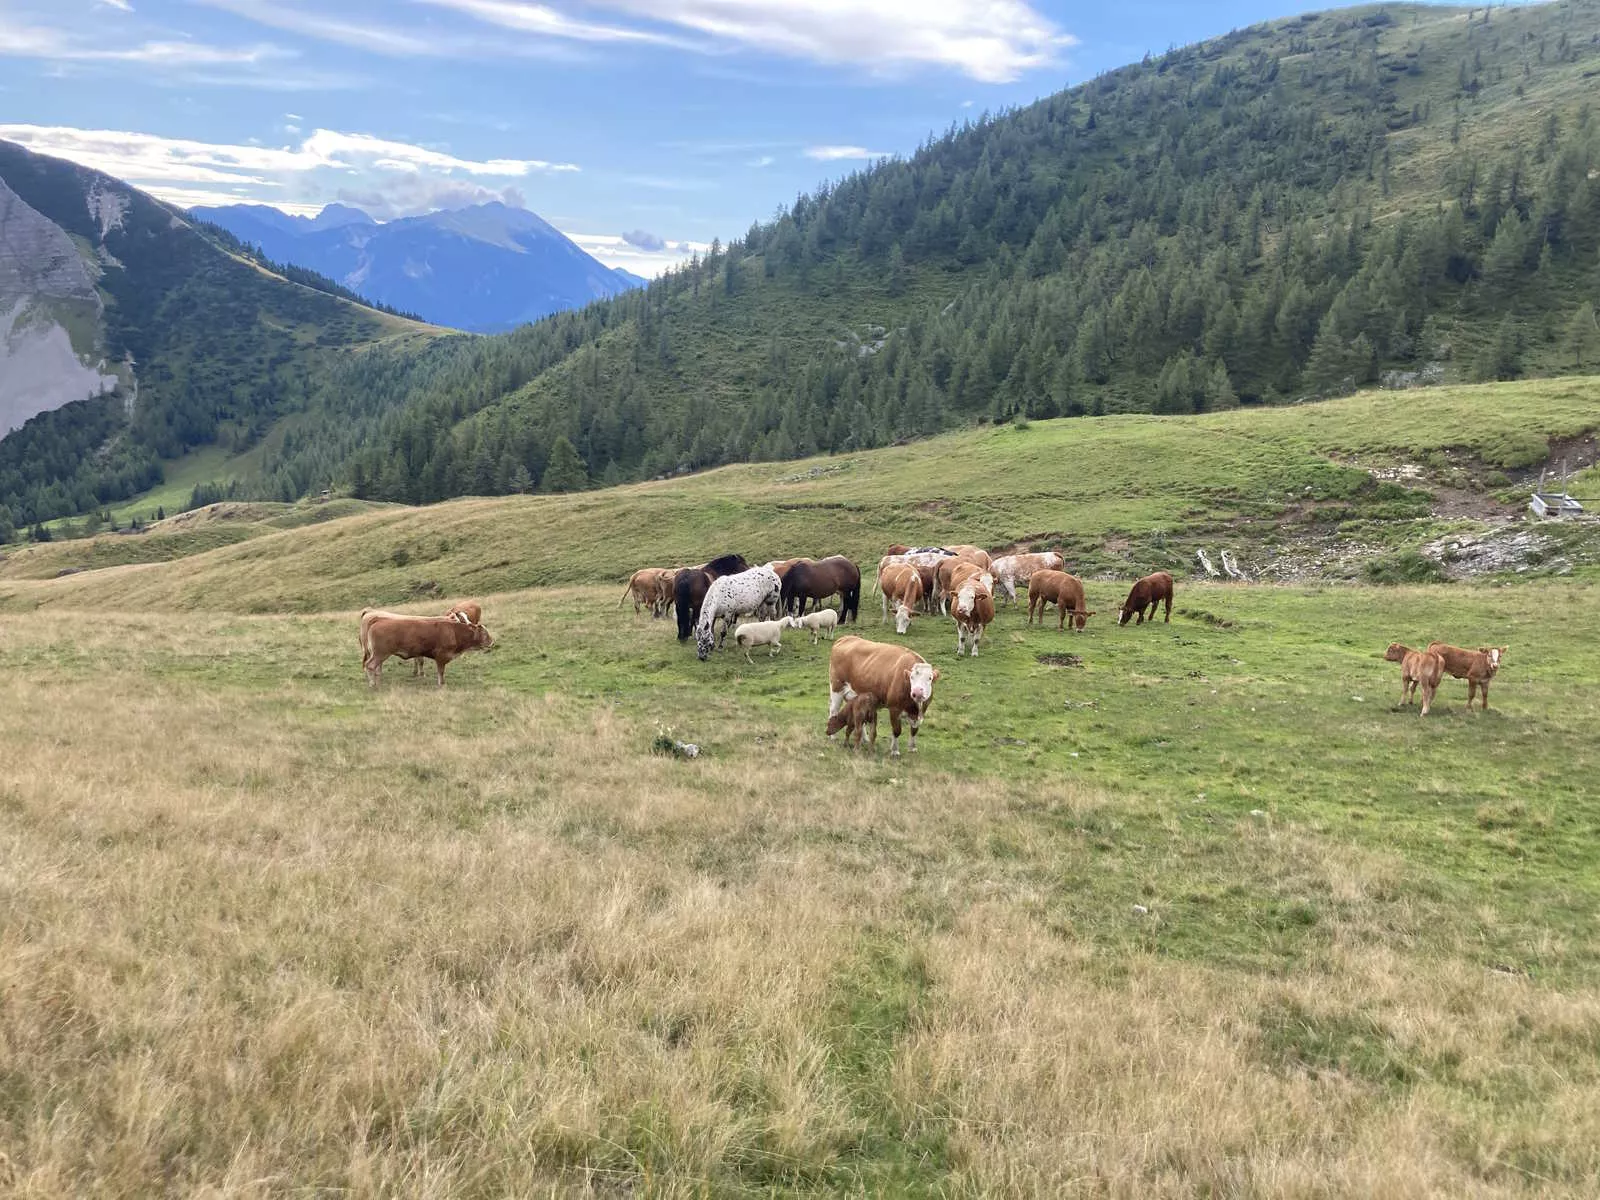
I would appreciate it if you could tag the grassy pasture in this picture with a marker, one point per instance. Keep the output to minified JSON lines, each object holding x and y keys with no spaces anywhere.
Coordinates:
{"x":1122,"y":495}
{"x":482,"y":942}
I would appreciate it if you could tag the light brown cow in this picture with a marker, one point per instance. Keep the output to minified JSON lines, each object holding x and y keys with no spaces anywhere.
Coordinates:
{"x":901,"y":679}
{"x":1065,"y":592}
{"x":650,"y":587}
{"x":973,"y":554}
{"x":902,"y":587}
{"x":859,"y":712}
{"x":438,"y":638}
{"x":1477,"y":667}
{"x":1418,"y":668}
{"x":467,"y":611}
{"x":972,"y":605}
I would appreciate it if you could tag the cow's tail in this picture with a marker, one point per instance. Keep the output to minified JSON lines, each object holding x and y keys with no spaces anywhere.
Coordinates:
{"x":626,"y":592}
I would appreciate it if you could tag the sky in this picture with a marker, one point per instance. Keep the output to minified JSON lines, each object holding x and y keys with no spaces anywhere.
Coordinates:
{"x":640,"y":128}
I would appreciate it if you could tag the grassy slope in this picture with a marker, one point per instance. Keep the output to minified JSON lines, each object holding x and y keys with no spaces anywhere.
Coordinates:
{"x":477,"y":942}
{"x":1122,"y":494}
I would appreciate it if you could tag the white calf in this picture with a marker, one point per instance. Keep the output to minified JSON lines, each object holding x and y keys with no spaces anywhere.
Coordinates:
{"x":763,"y":633}
{"x":823,"y":621}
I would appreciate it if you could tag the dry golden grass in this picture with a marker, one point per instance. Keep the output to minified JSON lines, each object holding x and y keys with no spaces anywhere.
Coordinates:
{"x":265,"y":933}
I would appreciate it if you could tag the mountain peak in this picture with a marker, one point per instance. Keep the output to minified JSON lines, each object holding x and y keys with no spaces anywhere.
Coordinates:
{"x":335,"y":215}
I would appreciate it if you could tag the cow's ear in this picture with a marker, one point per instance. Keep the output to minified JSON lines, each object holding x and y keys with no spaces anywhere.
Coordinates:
{"x":936,"y":675}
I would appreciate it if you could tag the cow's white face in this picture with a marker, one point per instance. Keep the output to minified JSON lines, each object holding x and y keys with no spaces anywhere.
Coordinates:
{"x":922,"y":677}
{"x":902,"y":617}
{"x":1494,"y":657}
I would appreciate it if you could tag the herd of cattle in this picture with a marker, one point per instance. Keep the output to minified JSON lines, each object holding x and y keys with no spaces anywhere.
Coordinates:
{"x":757,"y":604}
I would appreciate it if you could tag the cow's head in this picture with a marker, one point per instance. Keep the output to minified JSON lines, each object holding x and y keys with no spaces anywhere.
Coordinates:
{"x":482,"y":639}
{"x":1081,"y":618}
{"x":902,"y":617}
{"x":1395,"y":653}
{"x":1127,"y":611}
{"x":1494,"y":653}
{"x":922,"y":681}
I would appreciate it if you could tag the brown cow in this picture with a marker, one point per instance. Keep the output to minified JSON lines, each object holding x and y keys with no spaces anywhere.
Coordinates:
{"x":901,"y":679}
{"x":1418,"y":668}
{"x":973,"y":554}
{"x":858,"y":713}
{"x":1149,"y":592}
{"x":466,"y":611}
{"x":1477,"y":667}
{"x":1064,"y":591}
{"x":439,"y":638}
{"x":902,"y":586}
{"x":972,"y":605}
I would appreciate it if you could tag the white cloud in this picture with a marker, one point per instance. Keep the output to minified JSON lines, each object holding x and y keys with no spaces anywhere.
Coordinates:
{"x":119,"y":5}
{"x":766,"y":160}
{"x":291,"y":127}
{"x":994,"y":41}
{"x":34,"y":41}
{"x":542,"y":20}
{"x":615,"y":251}
{"x":391,"y":177}
{"x":843,"y":153}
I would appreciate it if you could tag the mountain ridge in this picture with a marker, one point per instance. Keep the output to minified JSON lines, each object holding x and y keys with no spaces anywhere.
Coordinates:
{"x":484,"y":268}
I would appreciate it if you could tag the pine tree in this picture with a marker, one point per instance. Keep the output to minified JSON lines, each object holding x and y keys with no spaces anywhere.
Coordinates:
{"x":1582,"y":340}
{"x":521,"y":481}
{"x":565,"y":472}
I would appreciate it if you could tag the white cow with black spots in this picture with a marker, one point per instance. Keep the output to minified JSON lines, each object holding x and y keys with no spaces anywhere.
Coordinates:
{"x":731,"y":597}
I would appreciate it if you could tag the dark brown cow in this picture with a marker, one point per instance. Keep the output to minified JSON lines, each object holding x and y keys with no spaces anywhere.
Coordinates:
{"x":1149,"y":592}
{"x":440,"y":638}
{"x":1064,"y":591}
{"x":901,"y":679}
{"x":1477,"y":667}
{"x":1418,"y":668}
{"x":859,"y":712}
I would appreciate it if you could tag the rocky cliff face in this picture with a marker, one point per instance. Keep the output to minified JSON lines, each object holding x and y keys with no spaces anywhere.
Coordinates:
{"x":51,"y":329}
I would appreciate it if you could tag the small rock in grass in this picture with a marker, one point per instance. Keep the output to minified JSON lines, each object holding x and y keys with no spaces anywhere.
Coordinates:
{"x":1140,"y":910}
{"x":1256,"y":812}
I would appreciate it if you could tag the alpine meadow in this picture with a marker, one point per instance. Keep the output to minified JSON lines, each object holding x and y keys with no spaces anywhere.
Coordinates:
{"x":1198,"y":904}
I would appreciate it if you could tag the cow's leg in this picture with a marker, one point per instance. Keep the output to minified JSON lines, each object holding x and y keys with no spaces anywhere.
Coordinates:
{"x":1427,"y":699}
{"x":894,"y":742}
{"x":439,"y":663}
{"x":835,"y":702}
{"x":1484,"y":687}
{"x":374,"y":668}
{"x":1061,"y":617}
{"x":916,"y":724}
{"x":1168,"y":618}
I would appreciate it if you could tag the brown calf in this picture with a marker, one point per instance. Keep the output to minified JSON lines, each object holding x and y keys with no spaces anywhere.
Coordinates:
{"x":1148,"y":593}
{"x":1418,"y":668}
{"x":1477,"y":667}
{"x":859,"y":712}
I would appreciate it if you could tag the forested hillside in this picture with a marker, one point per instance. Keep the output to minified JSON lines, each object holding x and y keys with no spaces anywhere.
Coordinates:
{"x":1291,"y":210}
{"x":219,"y":348}
{"x":1398,"y":193}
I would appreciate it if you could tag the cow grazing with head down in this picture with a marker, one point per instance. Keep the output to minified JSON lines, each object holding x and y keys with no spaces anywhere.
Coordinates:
{"x":690,"y":585}
{"x":972,"y":606}
{"x":1065,"y":592}
{"x":902,"y":587}
{"x":900,"y":679}
{"x":1418,"y":668}
{"x":441,"y":639}
{"x":1148,"y":593}
{"x":730,"y":597}
{"x":810,"y":579}
{"x":1477,"y":667}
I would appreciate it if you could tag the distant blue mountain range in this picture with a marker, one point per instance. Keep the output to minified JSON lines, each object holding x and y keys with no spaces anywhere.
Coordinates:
{"x":487,"y":268}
